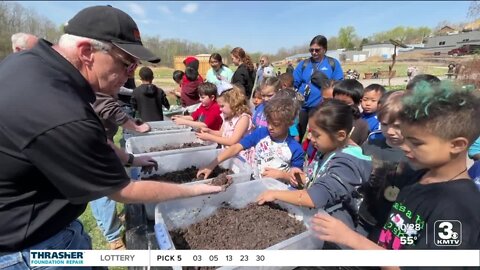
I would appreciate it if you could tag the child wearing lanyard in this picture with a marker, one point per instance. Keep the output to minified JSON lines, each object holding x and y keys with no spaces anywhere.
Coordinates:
{"x":339,"y":168}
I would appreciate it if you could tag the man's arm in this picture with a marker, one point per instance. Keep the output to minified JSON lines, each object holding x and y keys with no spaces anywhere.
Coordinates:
{"x":154,"y":191}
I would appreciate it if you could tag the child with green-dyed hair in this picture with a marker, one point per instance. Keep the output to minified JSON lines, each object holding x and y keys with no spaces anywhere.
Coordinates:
{"x":439,"y":123}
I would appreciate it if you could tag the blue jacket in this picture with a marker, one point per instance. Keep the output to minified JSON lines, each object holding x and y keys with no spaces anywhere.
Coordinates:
{"x":301,"y":79}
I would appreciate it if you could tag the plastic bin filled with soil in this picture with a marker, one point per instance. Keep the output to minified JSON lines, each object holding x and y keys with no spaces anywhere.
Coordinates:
{"x":231,"y":220}
{"x":159,"y":127}
{"x":181,"y":168}
{"x":164,"y":144}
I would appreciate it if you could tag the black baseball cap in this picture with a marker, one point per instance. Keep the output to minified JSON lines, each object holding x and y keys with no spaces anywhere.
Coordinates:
{"x":110,"y":24}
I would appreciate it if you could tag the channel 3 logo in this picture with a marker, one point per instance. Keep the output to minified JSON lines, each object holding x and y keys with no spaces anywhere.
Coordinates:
{"x":448,"y":233}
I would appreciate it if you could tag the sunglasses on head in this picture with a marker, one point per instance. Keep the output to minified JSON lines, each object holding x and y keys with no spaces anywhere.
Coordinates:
{"x":314,"y":50}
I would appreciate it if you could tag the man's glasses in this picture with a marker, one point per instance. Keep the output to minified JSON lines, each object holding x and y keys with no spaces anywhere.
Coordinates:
{"x":129,"y":66}
{"x":314,"y":50}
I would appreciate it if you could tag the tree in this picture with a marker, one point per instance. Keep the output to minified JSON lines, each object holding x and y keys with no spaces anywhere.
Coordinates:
{"x":346,"y":36}
{"x":363,"y":43}
{"x":474,"y":9}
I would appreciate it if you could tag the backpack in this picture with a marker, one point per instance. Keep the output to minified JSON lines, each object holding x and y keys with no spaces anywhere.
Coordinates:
{"x":332,"y":64}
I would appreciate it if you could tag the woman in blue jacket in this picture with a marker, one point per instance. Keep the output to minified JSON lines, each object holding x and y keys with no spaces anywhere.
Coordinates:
{"x":312,"y":67}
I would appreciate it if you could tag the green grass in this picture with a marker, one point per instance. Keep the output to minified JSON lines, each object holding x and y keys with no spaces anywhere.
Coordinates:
{"x":89,"y":223}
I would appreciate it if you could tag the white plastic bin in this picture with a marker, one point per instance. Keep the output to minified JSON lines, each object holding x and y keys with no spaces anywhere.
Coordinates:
{"x":139,"y":146}
{"x":164,"y":127}
{"x":242,"y":172}
{"x":181,"y":213}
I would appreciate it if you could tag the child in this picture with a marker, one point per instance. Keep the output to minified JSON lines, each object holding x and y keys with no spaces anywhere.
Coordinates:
{"x":275,"y":151}
{"x":208,"y":114}
{"x":391,"y":171}
{"x":190,"y":82}
{"x":237,"y":120}
{"x":338,"y":170}
{"x":310,"y":151}
{"x":257,"y":97}
{"x":430,"y":79}
{"x":177,"y":77}
{"x":474,"y":150}
{"x":286,"y":80}
{"x":371,"y":96}
{"x":270,"y":86}
{"x":387,"y":147}
{"x":439,"y":122}
{"x":148,"y":99}
{"x":350,"y":91}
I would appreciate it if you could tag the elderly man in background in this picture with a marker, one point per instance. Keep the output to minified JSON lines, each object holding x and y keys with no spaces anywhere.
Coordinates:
{"x":54,"y":153}
{"x":23,"y":41}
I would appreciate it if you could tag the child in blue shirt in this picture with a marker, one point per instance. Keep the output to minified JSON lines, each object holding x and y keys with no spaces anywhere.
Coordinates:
{"x":371,"y":96}
{"x":269,"y":87}
{"x":339,"y":167}
{"x":276,"y":152}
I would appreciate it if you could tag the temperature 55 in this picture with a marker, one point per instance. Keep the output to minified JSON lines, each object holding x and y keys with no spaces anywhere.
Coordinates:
{"x":408,"y":240}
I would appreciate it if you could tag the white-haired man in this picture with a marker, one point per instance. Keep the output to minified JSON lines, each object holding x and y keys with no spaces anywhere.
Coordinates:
{"x":23,"y":41}
{"x":54,"y":153}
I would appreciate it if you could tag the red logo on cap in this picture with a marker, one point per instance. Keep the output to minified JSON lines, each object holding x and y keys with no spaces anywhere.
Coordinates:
{"x":136,"y":34}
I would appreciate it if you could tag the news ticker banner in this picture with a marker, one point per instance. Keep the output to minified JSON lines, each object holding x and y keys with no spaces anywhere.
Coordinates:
{"x":431,"y":258}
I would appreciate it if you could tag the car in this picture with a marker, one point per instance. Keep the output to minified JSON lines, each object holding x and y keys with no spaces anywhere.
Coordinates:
{"x":464,"y":50}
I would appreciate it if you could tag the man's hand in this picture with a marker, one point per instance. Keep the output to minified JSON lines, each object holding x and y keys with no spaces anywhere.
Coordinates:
{"x":200,"y":189}
{"x":147,"y":163}
{"x":143,"y":128}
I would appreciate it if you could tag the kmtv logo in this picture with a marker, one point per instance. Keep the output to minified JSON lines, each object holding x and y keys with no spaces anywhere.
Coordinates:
{"x":448,"y":233}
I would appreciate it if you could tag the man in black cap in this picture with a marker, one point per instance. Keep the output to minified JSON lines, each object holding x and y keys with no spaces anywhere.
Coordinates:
{"x":54,"y":154}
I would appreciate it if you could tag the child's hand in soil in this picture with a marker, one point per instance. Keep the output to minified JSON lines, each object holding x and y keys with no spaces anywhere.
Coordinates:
{"x":205,"y":130}
{"x":328,"y":228}
{"x":266,"y":196}
{"x":146,"y":162}
{"x":200,"y":189}
{"x":297,"y":177}
{"x":274,"y":173}
{"x":204,"y":173}
{"x":178,"y":120}
{"x":203,"y":136}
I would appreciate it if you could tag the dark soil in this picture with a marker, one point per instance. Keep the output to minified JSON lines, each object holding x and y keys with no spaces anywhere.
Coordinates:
{"x":174,"y":146}
{"x":253,"y":227}
{"x":186,"y":176}
{"x":221,"y":180}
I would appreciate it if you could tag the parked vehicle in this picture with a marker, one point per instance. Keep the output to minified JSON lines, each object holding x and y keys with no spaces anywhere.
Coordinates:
{"x":465,"y":49}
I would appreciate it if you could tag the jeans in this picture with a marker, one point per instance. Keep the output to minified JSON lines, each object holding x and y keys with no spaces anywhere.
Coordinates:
{"x":72,"y":237}
{"x":105,"y":213}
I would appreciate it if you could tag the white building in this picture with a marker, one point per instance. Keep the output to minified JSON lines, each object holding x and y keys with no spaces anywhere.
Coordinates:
{"x":384,"y":50}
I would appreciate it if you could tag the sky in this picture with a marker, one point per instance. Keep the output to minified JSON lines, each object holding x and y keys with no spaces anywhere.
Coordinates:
{"x":265,"y":26}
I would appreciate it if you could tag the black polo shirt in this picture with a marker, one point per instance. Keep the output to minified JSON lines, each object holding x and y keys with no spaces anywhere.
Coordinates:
{"x":54,"y":156}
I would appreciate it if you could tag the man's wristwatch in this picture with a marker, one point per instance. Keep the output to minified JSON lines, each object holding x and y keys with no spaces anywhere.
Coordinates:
{"x":129,"y":163}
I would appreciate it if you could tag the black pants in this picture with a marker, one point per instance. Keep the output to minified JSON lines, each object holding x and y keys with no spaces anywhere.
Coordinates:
{"x":302,"y":122}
